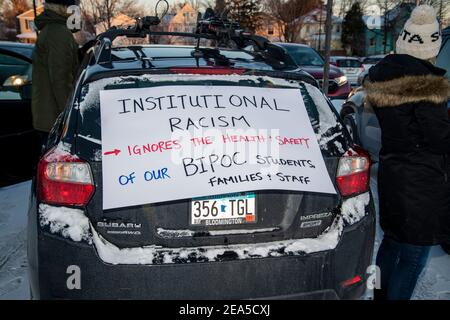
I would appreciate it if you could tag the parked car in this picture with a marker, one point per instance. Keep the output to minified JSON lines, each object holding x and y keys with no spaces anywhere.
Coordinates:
{"x":360,"y":119}
{"x":350,"y":66}
{"x":156,"y":251}
{"x":18,"y":140}
{"x":367,"y":64}
{"x":312,"y":62}
{"x":370,"y":61}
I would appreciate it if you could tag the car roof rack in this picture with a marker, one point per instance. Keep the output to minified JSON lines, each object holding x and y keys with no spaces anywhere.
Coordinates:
{"x":224,"y":33}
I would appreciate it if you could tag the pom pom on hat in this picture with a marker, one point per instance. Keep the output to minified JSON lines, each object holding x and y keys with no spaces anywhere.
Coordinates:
{"x":424,"y":14}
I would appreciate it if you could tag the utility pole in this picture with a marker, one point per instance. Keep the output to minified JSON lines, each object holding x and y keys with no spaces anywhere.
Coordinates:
{"x":328,"y":26}
{"x":385,"y":27}
{"x":320,"y":28}
{"x":34,"y":8}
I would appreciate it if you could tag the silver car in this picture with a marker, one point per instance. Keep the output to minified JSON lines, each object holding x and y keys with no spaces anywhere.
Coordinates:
{"x":350,"y":66}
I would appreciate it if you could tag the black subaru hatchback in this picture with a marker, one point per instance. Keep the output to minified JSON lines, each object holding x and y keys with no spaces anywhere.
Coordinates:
{"x":301,"y":245}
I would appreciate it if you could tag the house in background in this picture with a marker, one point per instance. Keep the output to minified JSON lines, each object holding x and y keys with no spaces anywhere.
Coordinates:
{"x":184,"y":20}
{"x":313,"y":31}
{"x":374,"y":36}
{"x":27,"y":31}
{"x":121,"y":20}
{"x":269,"y":28}
{"x":388,"y":26}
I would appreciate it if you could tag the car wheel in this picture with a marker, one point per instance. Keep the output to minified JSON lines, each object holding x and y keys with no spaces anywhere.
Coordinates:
{"x":350,"y":125}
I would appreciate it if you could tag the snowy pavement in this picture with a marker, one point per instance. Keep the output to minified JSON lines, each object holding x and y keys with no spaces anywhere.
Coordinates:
{"x":433,"y":284}
{"x":13,"y":250}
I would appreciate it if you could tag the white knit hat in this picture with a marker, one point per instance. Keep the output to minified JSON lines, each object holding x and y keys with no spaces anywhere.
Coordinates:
{"x":420,"y":37}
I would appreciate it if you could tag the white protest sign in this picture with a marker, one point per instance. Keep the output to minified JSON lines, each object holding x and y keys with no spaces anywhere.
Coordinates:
{"x":177,"y":142}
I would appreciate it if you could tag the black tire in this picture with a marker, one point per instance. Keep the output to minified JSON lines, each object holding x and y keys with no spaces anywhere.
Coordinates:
{"x":350,"y":124}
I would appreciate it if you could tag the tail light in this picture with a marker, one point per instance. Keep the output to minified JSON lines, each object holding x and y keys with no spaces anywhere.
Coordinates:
{"x":63,"y":179}
{"x":202,"y":70}
{"x":353,"y":173}
{"x":349,"y":282}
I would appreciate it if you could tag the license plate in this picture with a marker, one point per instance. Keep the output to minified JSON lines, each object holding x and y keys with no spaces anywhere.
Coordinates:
{"x":351,"y":70}
{"x":230,"y":209}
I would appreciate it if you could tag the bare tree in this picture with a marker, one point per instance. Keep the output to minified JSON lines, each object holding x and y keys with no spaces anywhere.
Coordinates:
{"x":345,"y":5}
{"x":220,"y":6}
{"x":288,"y":14}
{"x":442,"y":8}
{"x":201,"y":5}
{"x":103,"y":11}
{"x":9,"y":10}
{"x":385,"y":6}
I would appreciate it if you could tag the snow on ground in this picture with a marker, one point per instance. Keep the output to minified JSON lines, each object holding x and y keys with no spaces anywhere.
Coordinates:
{"x":433,"y":284}
{"x":13,"y":223}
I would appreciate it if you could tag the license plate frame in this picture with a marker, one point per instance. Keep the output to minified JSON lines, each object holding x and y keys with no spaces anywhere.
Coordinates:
{"x":227,"y":216}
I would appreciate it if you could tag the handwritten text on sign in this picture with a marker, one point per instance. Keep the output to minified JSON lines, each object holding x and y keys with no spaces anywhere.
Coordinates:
{"x":177,"y":142}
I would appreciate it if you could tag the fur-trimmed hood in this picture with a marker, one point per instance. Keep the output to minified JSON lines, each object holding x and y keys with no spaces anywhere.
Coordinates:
{"x":408,"y":89}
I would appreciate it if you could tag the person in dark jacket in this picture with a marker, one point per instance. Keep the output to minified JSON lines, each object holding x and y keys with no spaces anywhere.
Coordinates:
{"x":55,"y":64}
{"x":409,"y":96}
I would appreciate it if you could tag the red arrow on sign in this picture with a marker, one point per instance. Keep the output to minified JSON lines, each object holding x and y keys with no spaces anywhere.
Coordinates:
{"x":115,"y":152}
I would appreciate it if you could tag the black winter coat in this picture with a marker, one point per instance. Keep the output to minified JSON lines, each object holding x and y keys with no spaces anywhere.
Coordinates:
{"x":409,"y":97}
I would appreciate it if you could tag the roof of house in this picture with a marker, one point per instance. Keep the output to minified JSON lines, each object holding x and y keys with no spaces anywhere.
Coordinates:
{"x":30,"y":13}
{"x":119,"y":20}
{"x":314,"y":16}
{"x":179,"y":17}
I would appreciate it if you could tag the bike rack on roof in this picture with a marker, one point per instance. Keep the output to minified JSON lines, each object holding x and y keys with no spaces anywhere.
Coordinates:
{"x":224,"y":33}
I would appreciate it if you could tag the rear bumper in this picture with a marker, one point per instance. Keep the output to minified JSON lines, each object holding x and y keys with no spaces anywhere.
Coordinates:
{"x":353,"y":79}
{"x":309,"y":276}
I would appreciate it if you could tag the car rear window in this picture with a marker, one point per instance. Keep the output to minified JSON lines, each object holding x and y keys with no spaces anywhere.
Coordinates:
{"x":304,"y":56}
{"x":323,"y":119}
{"x":371,"y":60}
{"x":348,"y":63}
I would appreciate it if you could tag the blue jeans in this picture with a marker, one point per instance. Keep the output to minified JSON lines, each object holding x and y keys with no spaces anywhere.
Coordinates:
{"x":400,"y":266}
